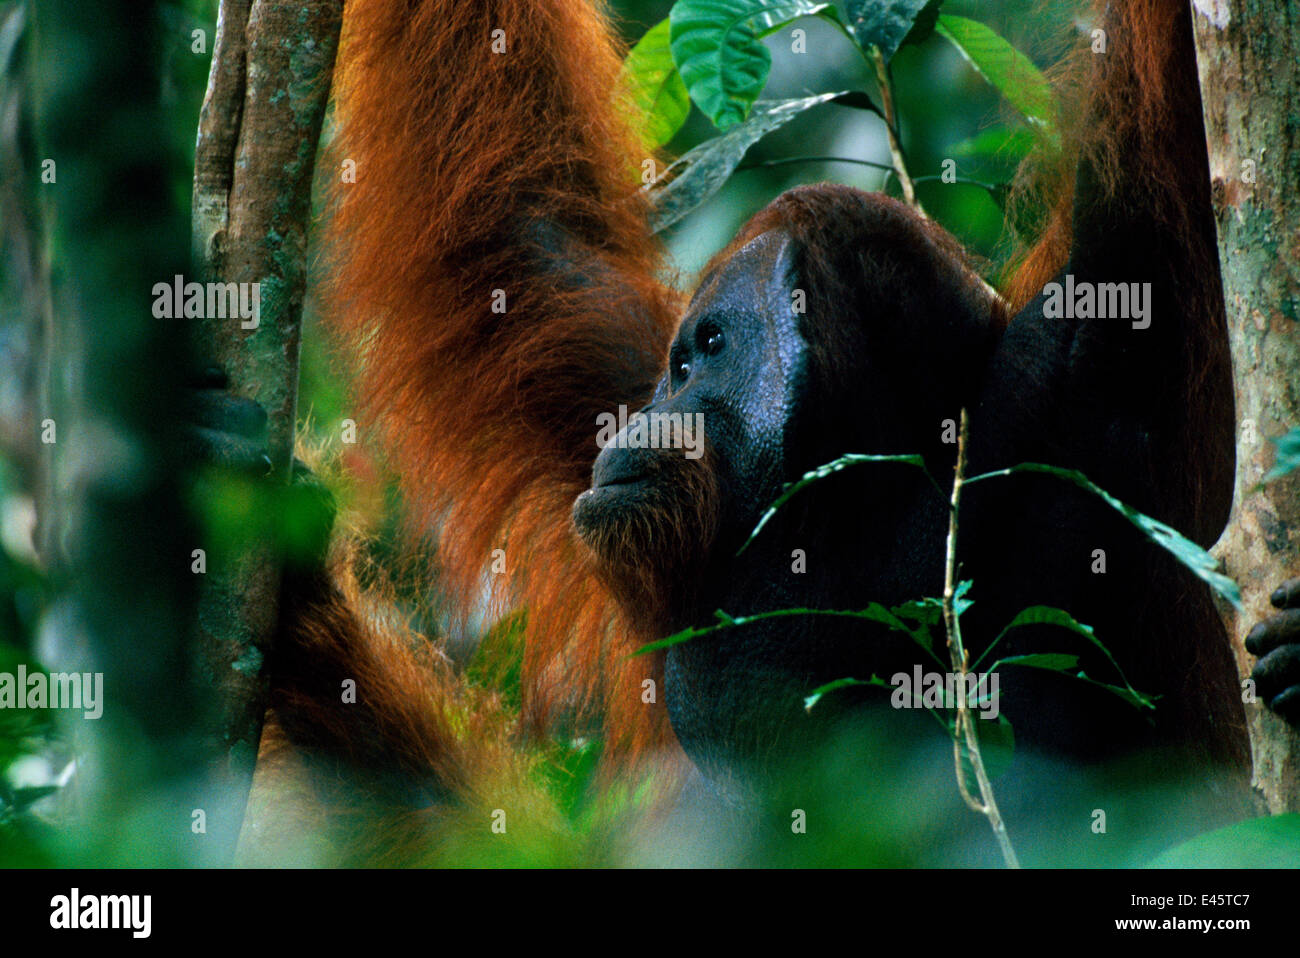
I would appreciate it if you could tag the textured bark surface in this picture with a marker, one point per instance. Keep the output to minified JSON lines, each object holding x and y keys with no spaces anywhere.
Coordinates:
{"x":1249,"y":57}
{"x":269,"y":84}
{"x":214,"y":150}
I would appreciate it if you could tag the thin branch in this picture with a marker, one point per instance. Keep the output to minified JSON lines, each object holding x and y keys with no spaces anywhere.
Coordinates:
{"x":891,"y":127}
{"x":788,"y":160}
{"x":964,"y":180}
{"x":965,"y":728}
{"x":876,"y":61}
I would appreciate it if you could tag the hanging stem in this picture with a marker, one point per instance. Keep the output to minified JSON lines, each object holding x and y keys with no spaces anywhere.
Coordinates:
{"x":891,"y":128}
{"x":789,"y":160}
{"x":876,"y":61}
{"x":986,"y":805}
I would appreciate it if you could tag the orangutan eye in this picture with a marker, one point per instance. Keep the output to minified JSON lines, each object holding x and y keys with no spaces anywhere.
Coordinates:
{"x":714,"y":342}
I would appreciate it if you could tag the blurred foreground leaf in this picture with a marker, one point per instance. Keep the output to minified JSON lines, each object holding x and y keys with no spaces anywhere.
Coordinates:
{"x":656,"y":87}
{"x":1269,"y":842}
{"x":1008,"y":70}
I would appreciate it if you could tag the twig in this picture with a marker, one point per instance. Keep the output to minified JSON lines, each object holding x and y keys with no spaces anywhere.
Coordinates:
{"x":788,"y":160}
{"x":965,"y":728}
{"x":891,"y":128}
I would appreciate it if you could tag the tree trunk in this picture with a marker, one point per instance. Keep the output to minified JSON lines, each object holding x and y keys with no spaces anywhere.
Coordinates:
{"x":118,"y":535}
{"x":268,"y":87}
{"x":1249,"y":57}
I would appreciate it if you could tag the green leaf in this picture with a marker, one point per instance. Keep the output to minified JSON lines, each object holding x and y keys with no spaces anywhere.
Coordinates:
{"x":1002,"y":142}
{"x":1288,"y":455}
{"x":1129,"y":694}
{"x":716,"y":44}
{"x":1052,"y":661}
{"x":498,"y":660}
{"x":1046,"y":615}
{"x":859,"y":101}
{"x":1200,"y":562}
{"x":829,"y":469}
{"x":1060,"y":662}
{"x":1009,"y":71}
{"x":816,"y":696}
{"x":885,"y":24}
{"x":925,"y":23}
{"x":655,"y":86}
{"x":570,"y":770}
{"x":925,"y":613}
{"x":872,"y":613}
{"x":700,"y":172}
{"x":1269,"y":842}
{"x":959,"y":601}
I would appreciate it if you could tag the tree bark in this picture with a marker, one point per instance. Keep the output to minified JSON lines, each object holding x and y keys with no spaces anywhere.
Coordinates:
{"x":1249,"y":57}
{"x":267,"y":91}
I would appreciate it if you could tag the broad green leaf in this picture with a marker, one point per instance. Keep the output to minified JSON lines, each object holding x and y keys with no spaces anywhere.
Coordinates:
{"x":716,"y":44}
{"x":1009,"y":71}
{"x":1200,"y":562}
{"x":829,"y":469}
{"x":699,"y":173}
{"x":1288,"y":455}
{"x":885,"y":24}
{"x":1272,"y":841}
{"x":655,"y":86}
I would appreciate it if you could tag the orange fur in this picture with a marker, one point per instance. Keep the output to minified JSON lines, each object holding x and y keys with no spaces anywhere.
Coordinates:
{"x":491,"y":418}
{"x":479,"y":171}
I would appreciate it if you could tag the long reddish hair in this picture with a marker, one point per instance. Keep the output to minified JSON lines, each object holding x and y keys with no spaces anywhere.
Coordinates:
{"x":492,"y":160}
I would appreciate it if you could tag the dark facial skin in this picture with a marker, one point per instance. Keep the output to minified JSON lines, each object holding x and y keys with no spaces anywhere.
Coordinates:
{"x":735,"y":698}
{"x":740,"y":360}
{"x":737,"y":360}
